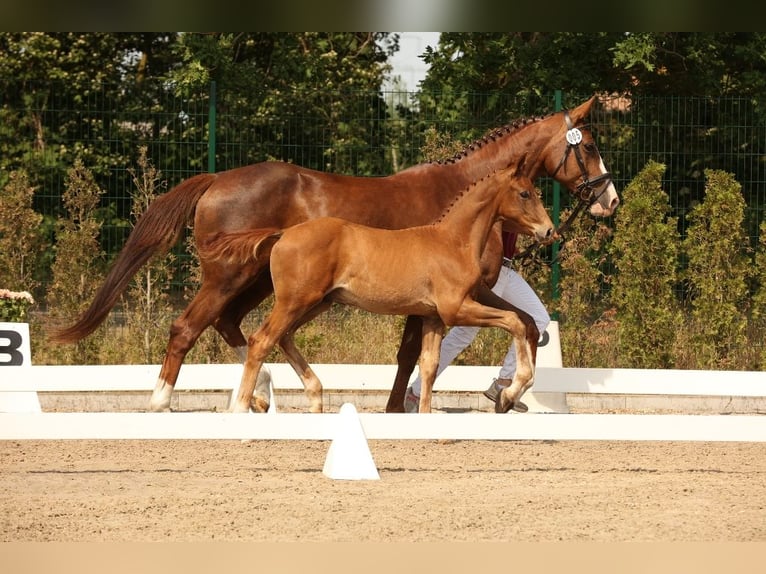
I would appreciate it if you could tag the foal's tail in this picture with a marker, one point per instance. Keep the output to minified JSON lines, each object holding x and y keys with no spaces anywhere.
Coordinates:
{"x":157,"y":230}
{"x":241,"y":247}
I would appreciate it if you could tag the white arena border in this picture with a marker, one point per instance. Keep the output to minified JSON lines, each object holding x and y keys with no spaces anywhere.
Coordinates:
{"x":335,"y":377}
{"x":304,"y":426}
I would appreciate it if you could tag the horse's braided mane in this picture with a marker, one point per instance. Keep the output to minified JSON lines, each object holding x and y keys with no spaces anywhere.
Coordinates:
{"x":491,"y":136}
{"x":460,"y":196}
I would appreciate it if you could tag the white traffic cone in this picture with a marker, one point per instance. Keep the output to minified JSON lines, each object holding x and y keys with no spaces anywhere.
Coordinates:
{"x":349,"y":457}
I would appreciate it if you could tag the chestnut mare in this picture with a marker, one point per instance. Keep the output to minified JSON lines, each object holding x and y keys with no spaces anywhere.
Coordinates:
{"x":280,"y":195}
{"x":430,"y":271}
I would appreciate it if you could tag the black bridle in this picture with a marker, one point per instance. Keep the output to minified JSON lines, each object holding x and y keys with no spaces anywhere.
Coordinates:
{"x":586,"y":190}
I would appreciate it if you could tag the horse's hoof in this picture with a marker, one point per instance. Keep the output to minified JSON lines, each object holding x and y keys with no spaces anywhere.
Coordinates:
{"x":259,"y":405}
{"x":159,"y":410}
{"x":159,"y":407}
{"x":502,"y":406}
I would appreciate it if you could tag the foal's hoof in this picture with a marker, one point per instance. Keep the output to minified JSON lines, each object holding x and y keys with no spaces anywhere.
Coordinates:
{"x":502,"y":405}
{"x":259,"y":405}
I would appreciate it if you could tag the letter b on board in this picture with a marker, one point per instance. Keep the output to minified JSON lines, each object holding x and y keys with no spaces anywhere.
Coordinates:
{"x":14,"y":345}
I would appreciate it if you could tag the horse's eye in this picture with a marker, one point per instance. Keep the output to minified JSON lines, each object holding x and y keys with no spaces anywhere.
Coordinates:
{"x":590,"y":147}
{"x":525,"y":194}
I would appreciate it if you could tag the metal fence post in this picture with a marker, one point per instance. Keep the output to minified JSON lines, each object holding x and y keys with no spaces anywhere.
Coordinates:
{"x":556,"y":269}
{"x":211,"y":130}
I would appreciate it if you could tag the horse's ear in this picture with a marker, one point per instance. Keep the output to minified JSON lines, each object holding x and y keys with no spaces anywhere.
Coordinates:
{"x":519,"y":167}
{"x":582,"y":111}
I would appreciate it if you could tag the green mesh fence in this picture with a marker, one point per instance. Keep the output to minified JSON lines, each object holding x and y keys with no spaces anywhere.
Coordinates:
{"x":381,"y":133}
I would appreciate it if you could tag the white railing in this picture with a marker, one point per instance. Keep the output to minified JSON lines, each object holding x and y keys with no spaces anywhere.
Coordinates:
{"x":534,"y":426}
{"x":334,"y":377}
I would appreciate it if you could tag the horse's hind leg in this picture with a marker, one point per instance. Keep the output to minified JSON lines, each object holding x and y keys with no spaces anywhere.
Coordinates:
{"x":207,"y":305}
{"x":407,"y":358}
{"x":311,"y":383}
{"x":184,"y":332}
{"x":228,"y":324}
{"x":433,"y":333}
{"x":259,"y":344}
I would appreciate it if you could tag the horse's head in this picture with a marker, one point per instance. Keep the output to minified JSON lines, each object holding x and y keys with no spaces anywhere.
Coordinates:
{"x":574,"y":161}
{"x":520,"y":206}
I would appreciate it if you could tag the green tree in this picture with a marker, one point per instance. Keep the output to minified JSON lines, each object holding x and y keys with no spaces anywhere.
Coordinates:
{"x":718,"y":272}
{"x":759,"y":298}
{"x":645,"y":252}
{"x":693,"y":63}
{"x":147,"y":303}
{"x":586,"y":322}
{"x":64,"y":93}
{"x":21,"y":239}
{"x":78,"y":268}
{"x":292,"y":95}
{"x":479,"y":80}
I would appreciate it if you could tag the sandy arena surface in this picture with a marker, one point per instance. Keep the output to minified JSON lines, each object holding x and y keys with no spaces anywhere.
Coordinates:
{"x":274,"y":491}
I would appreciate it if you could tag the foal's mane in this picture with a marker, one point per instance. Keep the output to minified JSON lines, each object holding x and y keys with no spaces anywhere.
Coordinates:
{"x":492,"y":136}
{"x":459,"y":196}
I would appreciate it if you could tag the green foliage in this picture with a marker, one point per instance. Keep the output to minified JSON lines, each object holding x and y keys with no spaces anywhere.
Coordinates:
{"x":146,"y":304}
{"x":292,"y":93}
{"x":588,"y":338}
{"x":476,"y":72}
{"x":690,"y":99}
{"x":14,"y":306}
{"x":440,"y":146}
{"x":21,"y":239}
{"x":645,"y":251}
{"x":759,"y":298}
{"x":718,"y":272}
{"x":77,"y":270}
{"x":693,"y":63}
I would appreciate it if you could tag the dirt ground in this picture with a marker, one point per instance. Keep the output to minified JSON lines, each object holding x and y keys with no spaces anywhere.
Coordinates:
{"x":473,"y":491}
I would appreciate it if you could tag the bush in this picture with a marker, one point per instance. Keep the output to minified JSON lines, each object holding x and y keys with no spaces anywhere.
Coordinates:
{"x":14,"y":305}
{"x":645,"y":253}
{"x":718,"y":273}
{"x":77,"y":269}
{"x":587,"y":323}
{"x":21,"y":241}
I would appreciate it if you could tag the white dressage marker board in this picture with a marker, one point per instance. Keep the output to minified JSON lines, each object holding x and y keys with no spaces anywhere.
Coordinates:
{"x":16,"y":353}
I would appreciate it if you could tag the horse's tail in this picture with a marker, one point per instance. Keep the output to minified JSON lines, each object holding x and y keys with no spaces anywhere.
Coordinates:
{"x":157,"y":230}
{"x":241,"y":247}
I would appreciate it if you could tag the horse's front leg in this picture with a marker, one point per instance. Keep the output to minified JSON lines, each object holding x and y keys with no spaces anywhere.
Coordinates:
{"x":526,"y":358}
{"x":433,"y":333}
{"x":525,"y":335}
{"x":255,"y":386}
{"x":407,"y":358}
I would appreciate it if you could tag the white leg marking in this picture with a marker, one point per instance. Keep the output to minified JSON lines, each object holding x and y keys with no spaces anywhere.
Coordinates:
{"x":161,"y":395}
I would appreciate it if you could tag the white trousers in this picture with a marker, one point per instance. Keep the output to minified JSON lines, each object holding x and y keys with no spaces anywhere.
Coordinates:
{"x":511,"y":287}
